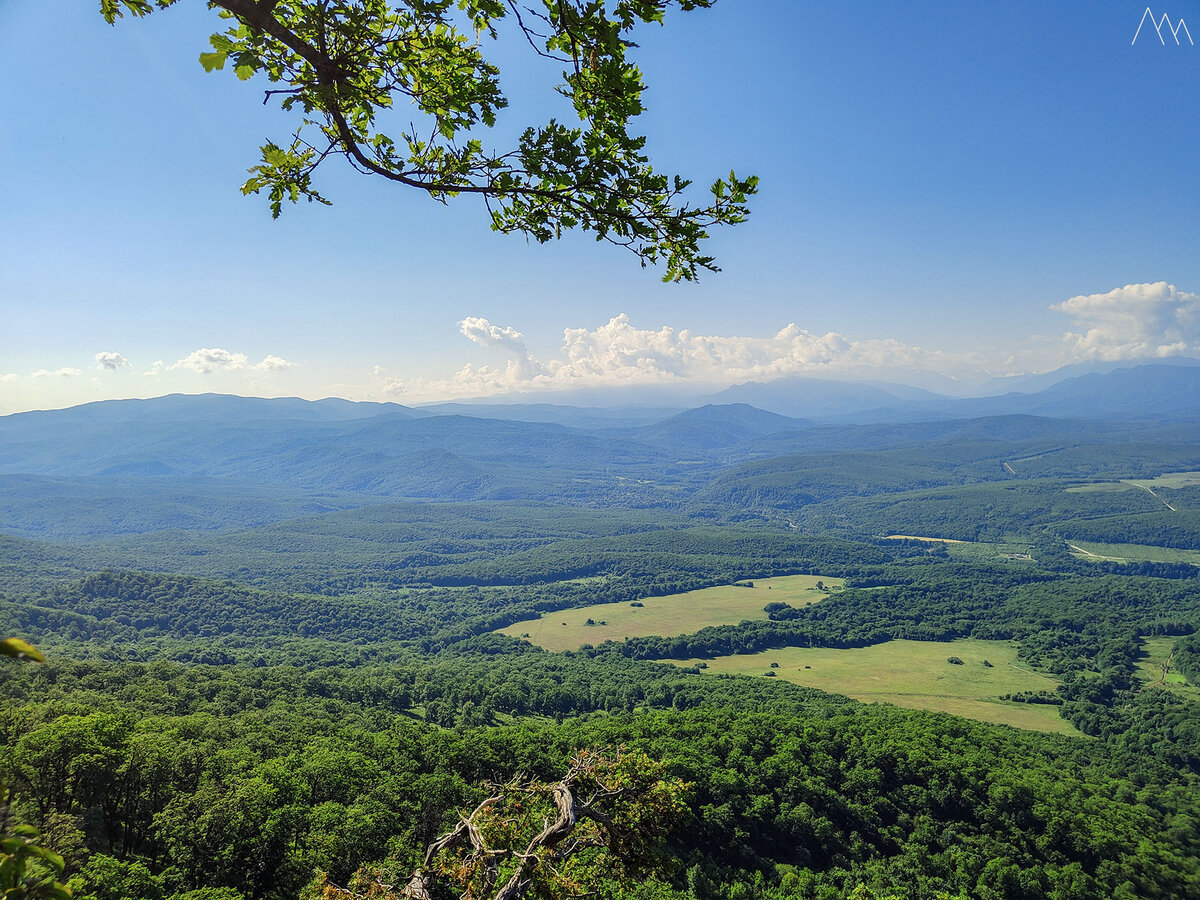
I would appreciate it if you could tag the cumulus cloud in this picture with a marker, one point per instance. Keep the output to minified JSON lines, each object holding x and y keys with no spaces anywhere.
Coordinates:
{"x":619,"y":353}
{"x":484,"y":333}
{"x":1132,"y":322}
{"x":107,"y":360}
{"x":273,"y":364}
{"x":208,"y":360}
{"x":521,"y":367}
{"x":65,"y":372}
{"x":211,"y":359}
{"x":41,"y":375}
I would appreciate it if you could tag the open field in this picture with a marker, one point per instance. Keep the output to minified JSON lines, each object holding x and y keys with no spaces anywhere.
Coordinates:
{"x":1156,"y":655}
{"x":1169,"y":480}
{"x":671,"y":615}
{"x":1136,"y":552}
{"x":913,"y":537}
{"x":914,"y":674}
{"x":989,"y":551}
{"x":986,"y":551}
{"x":1102,"y":487}
{"x":975,"y":550}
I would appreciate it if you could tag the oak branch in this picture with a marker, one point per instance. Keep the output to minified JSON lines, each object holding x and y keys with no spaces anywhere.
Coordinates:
{"x":343,"y":66}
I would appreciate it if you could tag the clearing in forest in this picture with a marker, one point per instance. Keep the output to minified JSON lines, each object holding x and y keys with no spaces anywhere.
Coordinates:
{"x":914,"y":674}
{"x":1135,"y":552}
{"x":1101,"y":487}
{"x":674,"y":614}
{"x":1015,"y":549}
{"x":1156,"y":667}
{"x":1170,"y":480}
{"x":932,"y":540}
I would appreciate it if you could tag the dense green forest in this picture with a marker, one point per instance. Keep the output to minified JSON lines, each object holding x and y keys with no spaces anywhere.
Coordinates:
{"x":257,"y":687}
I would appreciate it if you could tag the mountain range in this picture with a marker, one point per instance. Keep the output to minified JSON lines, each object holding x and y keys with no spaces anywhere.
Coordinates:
{"x":268,"y":458}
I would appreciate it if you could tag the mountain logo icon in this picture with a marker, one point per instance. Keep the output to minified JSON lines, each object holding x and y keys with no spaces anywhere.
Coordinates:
{"x":1164,"y":22}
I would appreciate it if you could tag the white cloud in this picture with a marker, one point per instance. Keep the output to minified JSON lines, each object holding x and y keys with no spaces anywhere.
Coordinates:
{"x":107,"y":360}
{"x":41,"y":375}
{"x":1133,"y":322}
{"x":273,"y":364}
{"x":208,"y":360}
{"x":619,"y":353}
{"x":65,"y":372}
{"x":211,"y":359}
{"x":484,"y":333}
{"x":521,"y":368}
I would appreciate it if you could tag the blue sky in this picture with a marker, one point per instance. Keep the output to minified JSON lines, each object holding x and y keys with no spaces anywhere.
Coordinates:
{"x":954,"y":188}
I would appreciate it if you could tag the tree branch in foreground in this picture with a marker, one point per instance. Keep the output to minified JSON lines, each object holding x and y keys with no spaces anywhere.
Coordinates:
{"x":604,"y":821}
{"x":344,"y":64}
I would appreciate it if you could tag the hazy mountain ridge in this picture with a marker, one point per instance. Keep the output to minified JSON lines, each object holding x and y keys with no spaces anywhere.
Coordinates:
{"x":715,"y":427}
{"x":1158,"y":390}
{"x":715,"y":451}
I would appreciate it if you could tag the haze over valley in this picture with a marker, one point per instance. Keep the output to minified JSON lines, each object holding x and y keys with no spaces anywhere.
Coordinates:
{"x":627,"y":450}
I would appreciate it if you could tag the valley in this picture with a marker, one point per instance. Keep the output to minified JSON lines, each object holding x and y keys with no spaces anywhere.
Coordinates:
{"x":891,"y":659}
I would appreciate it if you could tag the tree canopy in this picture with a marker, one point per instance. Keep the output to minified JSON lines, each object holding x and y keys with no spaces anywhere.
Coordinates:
{"x":604,"y":820}
{"x":342,"y":66}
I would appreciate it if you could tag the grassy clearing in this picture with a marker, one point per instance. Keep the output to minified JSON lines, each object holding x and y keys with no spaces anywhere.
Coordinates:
{"x":914,"y":674}
{"x":1154,"y":669}
{"x":990,"y":551}
{"x":1135,"y":552}
{"x":913,"y":537}
{"x":671,"y":615}
{"x":1170,"y":480}
{"x":1102,"y":487}
{"x":975,"y":550}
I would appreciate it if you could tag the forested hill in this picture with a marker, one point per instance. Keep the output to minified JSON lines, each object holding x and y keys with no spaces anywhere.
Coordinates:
{"x":289,"y":643}
{"x":333,"y":449}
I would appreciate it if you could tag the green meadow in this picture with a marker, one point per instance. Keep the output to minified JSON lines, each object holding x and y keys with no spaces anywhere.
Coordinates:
{"x":1017,"y":550}
{"x":1156,"y":668}
{"x":914,"y":674}
{"x":1102,"y":487}
{"x":931,"y":540}
{"x":1171,"y":480}
{"x":673,"y":614}
{"x":1134,"y":552}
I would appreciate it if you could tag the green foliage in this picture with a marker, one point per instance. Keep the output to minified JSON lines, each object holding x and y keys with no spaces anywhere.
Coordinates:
{"x":911,"y":802}
{"x":1186,"y":657}
{"x":341,"y":68}
{"x":604,"y":822}
{"x":106,"y":878}
{"x":15,"y":648}
{"x":317,"y":687}
{"x":28,"y":869}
